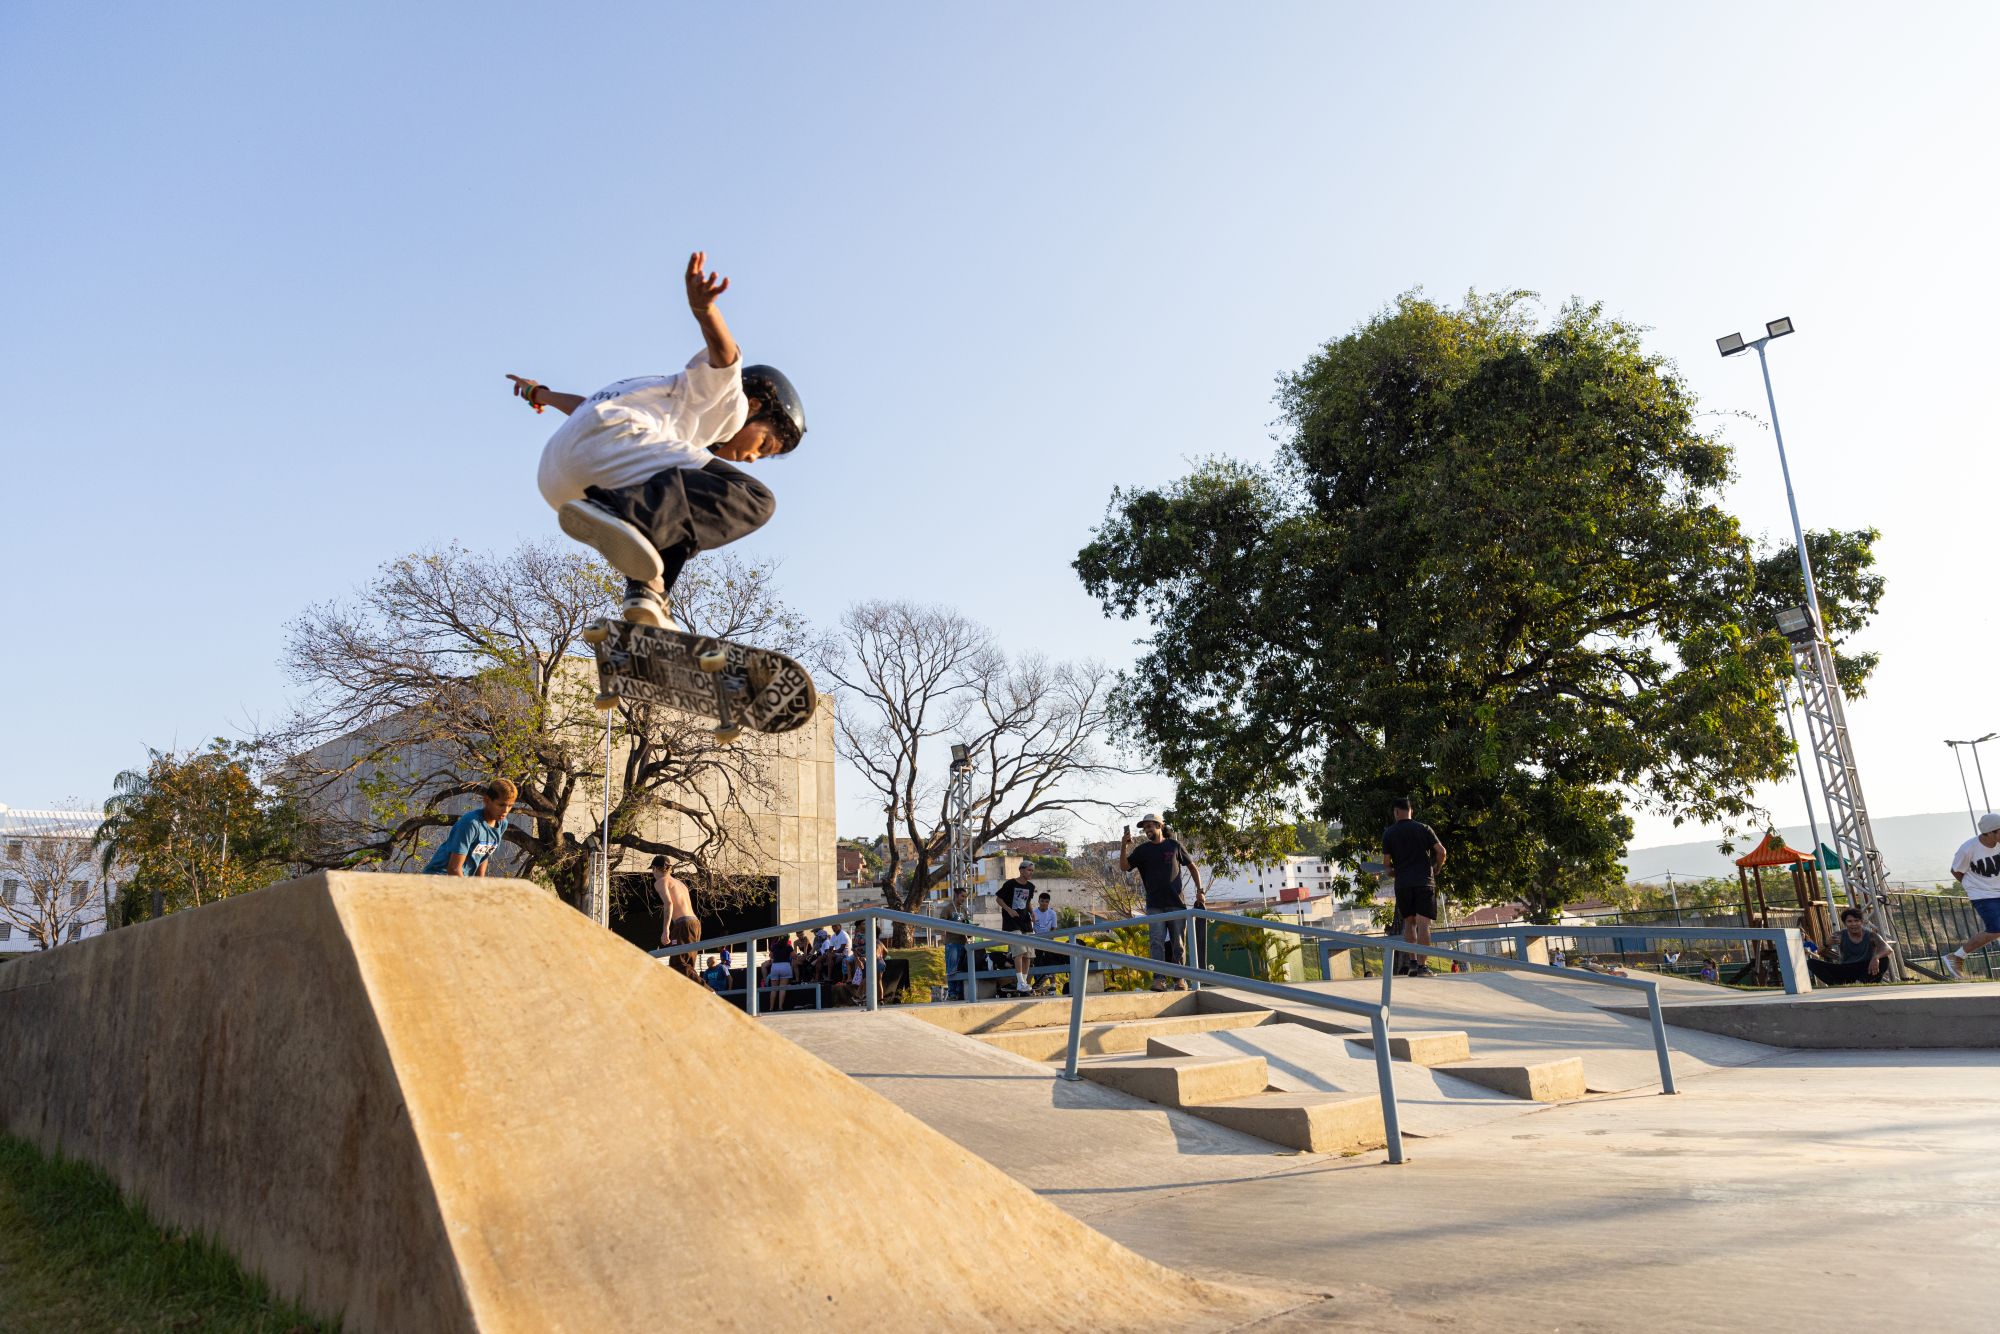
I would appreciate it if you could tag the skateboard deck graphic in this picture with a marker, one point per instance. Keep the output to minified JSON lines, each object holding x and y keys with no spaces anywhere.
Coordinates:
{"x":736,"y":685}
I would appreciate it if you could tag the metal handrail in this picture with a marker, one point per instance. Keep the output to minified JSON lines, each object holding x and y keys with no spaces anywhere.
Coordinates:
{"x":1080,"y":957}
{"x":1392,"y":946}
{"x":1795,"y":980}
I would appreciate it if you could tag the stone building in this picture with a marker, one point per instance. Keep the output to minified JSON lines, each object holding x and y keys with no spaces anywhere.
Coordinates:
{"x":786,"y":837}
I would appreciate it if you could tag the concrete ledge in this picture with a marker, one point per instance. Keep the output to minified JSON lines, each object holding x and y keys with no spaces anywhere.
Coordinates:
{"x":1544,"y":1081}
{"x":1424,"y":1048}
{"x":1309,"y":1122}
{"x":1855,"y":1018}
{"x":1098,"y":1007}
{"x":1050,"y":1044}
{"x":1182,"y":1081}
{"x":1325,"y":1020}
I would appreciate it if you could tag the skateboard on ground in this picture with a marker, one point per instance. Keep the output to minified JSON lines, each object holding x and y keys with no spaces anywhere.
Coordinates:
{"x":736,"y":685}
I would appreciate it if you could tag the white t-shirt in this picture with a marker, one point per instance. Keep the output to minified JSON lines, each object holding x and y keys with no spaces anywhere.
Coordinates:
{"x":1043,"y":921}
{"x":626,"y":432}
{"x":1980,"y":865}
{"x":838,"y":942}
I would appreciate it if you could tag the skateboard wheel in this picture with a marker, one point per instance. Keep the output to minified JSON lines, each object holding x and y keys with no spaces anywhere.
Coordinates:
{"x":725,"y":735}
{"x":596,"y":633}
{"x":607,"y":702}
{"x":712,"y":661}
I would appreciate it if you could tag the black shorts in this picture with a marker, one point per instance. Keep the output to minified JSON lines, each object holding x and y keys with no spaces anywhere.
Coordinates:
{"x":1417,"y":901}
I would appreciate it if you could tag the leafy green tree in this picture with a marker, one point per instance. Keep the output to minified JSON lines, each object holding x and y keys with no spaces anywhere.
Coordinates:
{"x":192,"y":827}
{"x":1490,"y":569}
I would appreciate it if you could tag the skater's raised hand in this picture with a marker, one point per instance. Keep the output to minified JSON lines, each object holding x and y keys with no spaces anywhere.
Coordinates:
{"x":702,"y":287}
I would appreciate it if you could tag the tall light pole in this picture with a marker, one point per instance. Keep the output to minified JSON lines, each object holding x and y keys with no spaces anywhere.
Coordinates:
{"x":1861,"y":866}
{"x":1984,"y":800}
{"x":1732,"y":345}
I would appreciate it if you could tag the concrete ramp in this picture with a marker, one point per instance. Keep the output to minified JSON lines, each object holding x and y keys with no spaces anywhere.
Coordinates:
{"x":441,"y":1105}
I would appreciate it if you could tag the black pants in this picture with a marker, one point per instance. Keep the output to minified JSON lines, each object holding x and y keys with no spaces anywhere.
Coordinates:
{"x":1836,"y":974}
{"x":689,"y":510}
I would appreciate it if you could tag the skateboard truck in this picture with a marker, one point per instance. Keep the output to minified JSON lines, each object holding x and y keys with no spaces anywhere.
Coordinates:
{"x":714,"y":661}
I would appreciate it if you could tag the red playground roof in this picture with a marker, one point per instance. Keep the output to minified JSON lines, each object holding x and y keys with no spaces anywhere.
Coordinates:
{"x":1773,"y":852}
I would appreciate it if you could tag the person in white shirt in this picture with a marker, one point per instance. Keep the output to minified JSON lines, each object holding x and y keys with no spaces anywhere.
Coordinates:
{"x":1976,"y":866}
{"x":643,"y":469}
{"x":833,"y":956}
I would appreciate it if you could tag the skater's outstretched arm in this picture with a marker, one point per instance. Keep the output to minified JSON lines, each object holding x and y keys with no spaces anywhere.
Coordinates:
{"x":702,"y":290}
{"x":540,"y":396}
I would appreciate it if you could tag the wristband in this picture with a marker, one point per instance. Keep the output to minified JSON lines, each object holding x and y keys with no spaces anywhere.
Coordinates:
{"x":534,"y":389}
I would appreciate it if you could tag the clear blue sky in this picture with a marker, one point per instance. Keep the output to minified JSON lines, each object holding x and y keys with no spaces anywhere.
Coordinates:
{"x":266,"y":264}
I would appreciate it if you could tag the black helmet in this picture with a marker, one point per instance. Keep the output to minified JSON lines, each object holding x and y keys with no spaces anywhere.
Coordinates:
{"x":781,"y":402}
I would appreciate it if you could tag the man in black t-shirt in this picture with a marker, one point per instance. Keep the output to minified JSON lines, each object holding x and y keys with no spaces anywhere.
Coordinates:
{"x":1017,"y":902}
{"x":1413,"y":851}
{"x":1158,"y":861}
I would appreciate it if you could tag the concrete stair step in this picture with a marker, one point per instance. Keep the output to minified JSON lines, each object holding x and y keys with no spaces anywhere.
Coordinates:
{"x":1102,"y":1039}
{"x":1559,"y":1080}
{"x":1181,"y":1081}
{"x":1309,"y":1122}
{"x":1435,"y":1048}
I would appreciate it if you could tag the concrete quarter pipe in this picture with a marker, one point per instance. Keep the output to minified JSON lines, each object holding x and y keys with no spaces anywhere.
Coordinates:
{"x":427,"y":1104}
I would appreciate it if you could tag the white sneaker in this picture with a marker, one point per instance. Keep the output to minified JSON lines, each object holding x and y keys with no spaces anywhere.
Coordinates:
{"x":1950,"y":962}
{"x":620,"y":543}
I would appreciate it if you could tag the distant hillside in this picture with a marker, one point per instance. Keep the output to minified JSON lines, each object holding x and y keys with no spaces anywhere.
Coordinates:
{"x":1917,"y":848}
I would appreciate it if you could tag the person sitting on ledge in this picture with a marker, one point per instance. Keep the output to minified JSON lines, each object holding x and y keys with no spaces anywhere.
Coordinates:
{"x":1864,"y":955}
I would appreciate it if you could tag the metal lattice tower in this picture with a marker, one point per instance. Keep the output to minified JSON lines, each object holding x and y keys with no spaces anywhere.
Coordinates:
{"x":1862,"y":870}
{"x":961,"y":858}
{"x":1861,"y":865}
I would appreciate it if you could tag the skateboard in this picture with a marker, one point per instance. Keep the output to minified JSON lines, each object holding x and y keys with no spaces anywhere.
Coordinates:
{"x":735,"y":684}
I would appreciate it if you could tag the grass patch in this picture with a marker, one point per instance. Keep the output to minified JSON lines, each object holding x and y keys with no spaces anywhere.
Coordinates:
{"x":75,"y":1258}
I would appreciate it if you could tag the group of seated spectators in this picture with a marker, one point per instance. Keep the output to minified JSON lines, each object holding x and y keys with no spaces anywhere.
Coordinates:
{"x":828,"y":958}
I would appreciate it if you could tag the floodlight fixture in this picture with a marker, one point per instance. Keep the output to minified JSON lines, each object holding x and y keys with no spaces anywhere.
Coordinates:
{"x":1730,"y":344}
{"x":961,"y":755}
{"x":1798,"y":624}
{"x":1778,"y":328}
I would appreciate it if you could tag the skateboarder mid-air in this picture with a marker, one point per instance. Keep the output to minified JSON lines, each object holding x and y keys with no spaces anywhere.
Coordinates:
{"x":644,"y":469}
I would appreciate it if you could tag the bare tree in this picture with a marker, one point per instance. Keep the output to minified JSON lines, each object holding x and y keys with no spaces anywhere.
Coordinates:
{"x":909,"y":680}
{"x":449,"y":669}
{"x":48,"y":891}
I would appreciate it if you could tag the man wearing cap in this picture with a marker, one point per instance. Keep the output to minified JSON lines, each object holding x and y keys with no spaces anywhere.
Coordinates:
{"x":678,"y":925}
{"x":1158,"y":861}
{"x":1977,"y":866}
{"x":1416,"y":854}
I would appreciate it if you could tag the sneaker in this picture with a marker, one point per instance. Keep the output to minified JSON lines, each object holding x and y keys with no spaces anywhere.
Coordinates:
{"x":618,"y":541}
{"x":1950,"y":962}
{"x":1163,"y":984}
{"x":646,"y":604}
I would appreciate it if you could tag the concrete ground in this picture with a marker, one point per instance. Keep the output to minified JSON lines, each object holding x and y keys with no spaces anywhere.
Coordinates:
{"x":1813,"y":1191}
{"x":1778,"y":1191}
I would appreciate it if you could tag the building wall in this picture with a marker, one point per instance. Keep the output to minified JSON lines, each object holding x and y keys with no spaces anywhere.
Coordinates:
{"x":20,"y":831}
{"x":788,"y":832}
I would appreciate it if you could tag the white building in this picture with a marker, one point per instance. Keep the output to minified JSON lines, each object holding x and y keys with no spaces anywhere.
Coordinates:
{"x":50,"y":878}
{"x":1290,"y":881}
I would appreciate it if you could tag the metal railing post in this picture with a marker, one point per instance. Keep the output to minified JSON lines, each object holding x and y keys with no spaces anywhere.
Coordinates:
{"x":1079,"y":986}
{"x":750,"y":978}
{"x":1392,"y":1122}
{"x":1193,"y":943}
{"x":971,"y":971}
{"x":1325,"y":961}
{"x":1660,"y":1041}
{"x":874,"y":972}
{"x":1388,"y":968}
